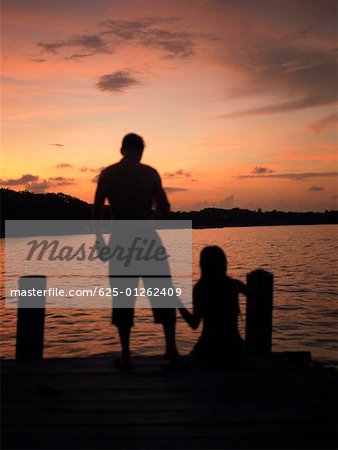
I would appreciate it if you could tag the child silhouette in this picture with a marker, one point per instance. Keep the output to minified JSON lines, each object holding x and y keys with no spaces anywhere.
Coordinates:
{"x":215,"y":302}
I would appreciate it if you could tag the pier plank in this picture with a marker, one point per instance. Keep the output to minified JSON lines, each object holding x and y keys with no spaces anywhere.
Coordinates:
{"x":276,"y":401}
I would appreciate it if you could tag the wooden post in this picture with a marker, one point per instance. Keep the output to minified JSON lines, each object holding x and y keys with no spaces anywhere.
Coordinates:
{"x":31,"y":318}
{"x":258,"y":332}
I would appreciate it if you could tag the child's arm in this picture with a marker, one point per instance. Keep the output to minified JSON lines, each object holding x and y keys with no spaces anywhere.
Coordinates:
{"x":241,"y":288}
{"x":193,"y":319}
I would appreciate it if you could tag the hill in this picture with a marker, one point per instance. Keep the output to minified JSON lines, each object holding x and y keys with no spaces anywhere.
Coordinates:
{"x":25,"y":205}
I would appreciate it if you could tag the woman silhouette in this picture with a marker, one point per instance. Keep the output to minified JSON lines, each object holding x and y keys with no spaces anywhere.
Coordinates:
{"x":215,"y":301}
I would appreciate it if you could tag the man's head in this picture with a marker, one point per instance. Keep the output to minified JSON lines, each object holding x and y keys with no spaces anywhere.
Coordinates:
{"x":132,"y":145}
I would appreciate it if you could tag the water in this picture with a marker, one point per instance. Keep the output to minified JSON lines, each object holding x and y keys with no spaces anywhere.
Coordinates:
{"x":302,"y":258}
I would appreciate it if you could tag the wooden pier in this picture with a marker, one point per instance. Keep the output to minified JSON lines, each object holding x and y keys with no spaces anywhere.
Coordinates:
{"x":273,"y":401}
{"x":281,"y":400}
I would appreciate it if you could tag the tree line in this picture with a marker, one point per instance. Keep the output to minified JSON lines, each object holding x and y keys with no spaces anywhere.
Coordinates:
{"x":25,"y":205}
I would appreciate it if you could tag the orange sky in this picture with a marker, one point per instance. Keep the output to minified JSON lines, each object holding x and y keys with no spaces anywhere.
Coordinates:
{"x":236,"y":99}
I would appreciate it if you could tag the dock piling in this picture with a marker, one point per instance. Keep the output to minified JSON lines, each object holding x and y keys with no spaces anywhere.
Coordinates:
{"x":31,"y":318}
{"x":258,"y":330}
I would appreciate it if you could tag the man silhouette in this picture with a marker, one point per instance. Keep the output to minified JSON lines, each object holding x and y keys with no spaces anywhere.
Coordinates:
{"x":133,"y":189}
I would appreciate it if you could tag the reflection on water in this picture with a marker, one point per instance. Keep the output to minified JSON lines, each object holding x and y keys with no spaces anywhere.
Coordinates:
{"x":302,"y":258}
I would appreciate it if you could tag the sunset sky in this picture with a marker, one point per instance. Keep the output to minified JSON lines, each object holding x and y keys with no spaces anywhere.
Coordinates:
{"x":236,"y":99}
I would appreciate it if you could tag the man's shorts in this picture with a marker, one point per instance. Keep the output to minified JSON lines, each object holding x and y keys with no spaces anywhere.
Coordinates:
{"x":124,"y":305}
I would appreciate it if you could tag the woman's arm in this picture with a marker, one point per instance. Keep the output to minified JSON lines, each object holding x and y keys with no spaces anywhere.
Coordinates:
{"x":193,"y":319}
{"x":241,"y":288}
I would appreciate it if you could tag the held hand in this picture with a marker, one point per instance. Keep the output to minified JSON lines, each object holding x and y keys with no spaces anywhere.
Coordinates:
{"x":191,"y":318}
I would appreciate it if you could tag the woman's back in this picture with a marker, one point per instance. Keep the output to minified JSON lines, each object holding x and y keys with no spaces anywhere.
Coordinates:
{"x":216,"y":303}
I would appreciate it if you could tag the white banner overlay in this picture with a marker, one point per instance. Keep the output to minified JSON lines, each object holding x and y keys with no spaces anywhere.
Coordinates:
{"x":90,"y":264}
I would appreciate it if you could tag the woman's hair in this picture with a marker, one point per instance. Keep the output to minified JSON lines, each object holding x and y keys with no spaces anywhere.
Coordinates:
{"x":213,"y":262}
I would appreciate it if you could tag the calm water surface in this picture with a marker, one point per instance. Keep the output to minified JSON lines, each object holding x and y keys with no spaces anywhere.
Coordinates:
{"x":302,"y":258}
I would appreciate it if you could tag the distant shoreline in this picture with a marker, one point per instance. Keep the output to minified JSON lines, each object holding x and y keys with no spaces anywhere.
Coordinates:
{"x":25,"y":205}
{"x":193,"y":228}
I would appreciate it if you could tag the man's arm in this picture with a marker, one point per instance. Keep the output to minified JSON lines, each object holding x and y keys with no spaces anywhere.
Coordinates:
{"x":100,"y":197}
{"x":162,"y":205}
{"x":97,"y":213}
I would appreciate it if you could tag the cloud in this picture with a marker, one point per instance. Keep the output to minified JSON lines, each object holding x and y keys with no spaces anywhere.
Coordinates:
{"x":95,"y":179}
{"x":163,"y":34}
{"x":27,"y":178}
{"x":64,"y":183}
{"x":52,"y":182}
{"x":287,"y":59}
{"x":33,"y":183}
{"x":61,"y":181}
{"x":172,"y":189}
{"x":225,"y":203}
{"x":282,"y":55}
{"x":325,"y":123}
{"x":90,"y":44}
{"x":290,"y":176}
{"x":149,"y":32}
{"x":293,"y":105}
{"x":118,"y":81}
{"x":177,"y":174}
{"x":38,"y":187}
{"x":315,"y":188}
{"x":77,"y":56}
{"x":259,"y":169}
{"x":57,"y":145}
{"x":63,"y":166}
{"x":92,"y":169}
{"x":334,"y":197}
